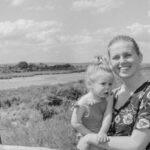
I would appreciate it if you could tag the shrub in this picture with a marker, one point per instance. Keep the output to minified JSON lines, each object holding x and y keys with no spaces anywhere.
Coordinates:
{"x":54,"y":100}
{"x":22,"y":65}
{"x":71,"y":91}
{"x":47,"y":112}
{"x":10,"y":101}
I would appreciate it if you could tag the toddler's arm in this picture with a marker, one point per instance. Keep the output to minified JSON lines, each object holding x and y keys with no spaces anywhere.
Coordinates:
{"x":76,"y":120}
{"x":102,"y":134}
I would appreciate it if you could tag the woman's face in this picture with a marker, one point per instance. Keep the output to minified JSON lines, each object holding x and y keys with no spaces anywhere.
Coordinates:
{"x":124,"y":60}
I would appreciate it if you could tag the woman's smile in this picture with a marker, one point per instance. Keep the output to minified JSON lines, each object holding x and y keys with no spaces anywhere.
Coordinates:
{"x":124,"y":68}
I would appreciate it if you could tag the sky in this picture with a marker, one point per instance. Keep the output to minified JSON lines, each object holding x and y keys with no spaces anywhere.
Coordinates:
{"x":69,"y":31}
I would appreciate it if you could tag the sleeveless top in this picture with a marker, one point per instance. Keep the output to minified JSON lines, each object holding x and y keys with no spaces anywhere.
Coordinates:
{"x":95,"y":112}
{"x":134,"y":114}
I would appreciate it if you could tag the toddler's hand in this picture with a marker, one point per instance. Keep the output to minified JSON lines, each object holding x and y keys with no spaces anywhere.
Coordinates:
{"x":102,"y":138}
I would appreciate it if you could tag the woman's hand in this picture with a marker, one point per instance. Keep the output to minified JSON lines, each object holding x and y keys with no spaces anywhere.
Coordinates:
{"x":102,"y":138}
{"x":83,"y":143}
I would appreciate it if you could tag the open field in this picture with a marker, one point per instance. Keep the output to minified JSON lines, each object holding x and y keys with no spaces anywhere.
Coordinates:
{"x":35,"y":73}
{"x":51,"y":79}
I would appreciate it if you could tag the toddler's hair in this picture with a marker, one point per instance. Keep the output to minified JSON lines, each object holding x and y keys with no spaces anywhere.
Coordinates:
{"x":93,"y":70}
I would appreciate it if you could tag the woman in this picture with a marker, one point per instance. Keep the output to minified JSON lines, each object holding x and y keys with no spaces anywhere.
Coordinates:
{"x":130,"y":129}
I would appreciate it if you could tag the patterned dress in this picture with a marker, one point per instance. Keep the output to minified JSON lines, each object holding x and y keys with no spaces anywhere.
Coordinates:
{"x":134,"y":114}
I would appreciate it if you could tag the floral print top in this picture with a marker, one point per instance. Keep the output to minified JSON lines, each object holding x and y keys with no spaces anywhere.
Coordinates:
{"x":134,"y":114}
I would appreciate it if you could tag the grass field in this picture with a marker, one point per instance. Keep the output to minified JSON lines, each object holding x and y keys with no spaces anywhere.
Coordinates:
{"x":39,"y":115}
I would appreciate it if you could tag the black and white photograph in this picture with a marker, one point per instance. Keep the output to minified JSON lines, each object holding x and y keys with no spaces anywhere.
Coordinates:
{"x":74,"y":74}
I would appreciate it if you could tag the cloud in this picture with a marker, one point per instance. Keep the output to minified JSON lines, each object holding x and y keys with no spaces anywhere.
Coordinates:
{"x":149,"y":13}
{"x":29,"y":31}
{"x":32,"y":4}
{"x":28,"y":40}
{"x":39,"y":5}
{"x":39,"y":8}
{"x":76,"y":39}
{"x":99,"y":5}
{"x":16,"y":2}
{"x":140,"y":31}
{"x":83,"y":46}
{"x":27,"y":37}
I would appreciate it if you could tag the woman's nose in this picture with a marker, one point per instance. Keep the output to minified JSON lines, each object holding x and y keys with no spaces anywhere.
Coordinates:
{"x":122,"y":59}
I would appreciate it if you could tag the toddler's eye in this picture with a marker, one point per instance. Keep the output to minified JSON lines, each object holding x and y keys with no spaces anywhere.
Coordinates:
{"x":110,"y":84}
{"x":103,"y":83}
{"x":127,"y":55}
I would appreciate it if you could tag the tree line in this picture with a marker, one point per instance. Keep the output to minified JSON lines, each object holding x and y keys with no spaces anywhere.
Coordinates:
{"x":24,"y":66}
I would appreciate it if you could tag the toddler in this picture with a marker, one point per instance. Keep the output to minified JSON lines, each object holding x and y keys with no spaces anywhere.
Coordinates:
{"x":92,"y":113}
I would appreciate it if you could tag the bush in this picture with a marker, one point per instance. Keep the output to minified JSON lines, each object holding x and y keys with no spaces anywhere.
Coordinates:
{"x":62,"y":67}
{"x":22,"y":65}
{"x":54,"y":100}
{"x":71,"y":91}
{"x":47,"y":112}
{"x":12,"y":101}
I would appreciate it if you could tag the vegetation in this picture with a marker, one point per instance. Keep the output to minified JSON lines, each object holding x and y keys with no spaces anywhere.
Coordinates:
{"x":39,"y":115}
{"x":29,"y":69}
{"x":24,"y":69}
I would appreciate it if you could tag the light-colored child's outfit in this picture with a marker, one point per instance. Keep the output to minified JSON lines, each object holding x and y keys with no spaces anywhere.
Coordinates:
{"x":92,"y":120}
{"x":93,"y":117}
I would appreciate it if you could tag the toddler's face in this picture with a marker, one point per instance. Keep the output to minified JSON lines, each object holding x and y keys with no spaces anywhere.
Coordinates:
{"x":102,"y":86}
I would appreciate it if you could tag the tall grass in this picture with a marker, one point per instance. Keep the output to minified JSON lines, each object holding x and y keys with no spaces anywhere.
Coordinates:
{"x":39,"y":115}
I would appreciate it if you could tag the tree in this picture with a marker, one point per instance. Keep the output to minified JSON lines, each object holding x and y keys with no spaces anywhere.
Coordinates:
{"x":32,"y":67}
{"x":22,"y":65}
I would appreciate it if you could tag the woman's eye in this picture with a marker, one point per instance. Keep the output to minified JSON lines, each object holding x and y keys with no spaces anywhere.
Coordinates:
{"x":116,"y":57}
{"x":127,"y":55}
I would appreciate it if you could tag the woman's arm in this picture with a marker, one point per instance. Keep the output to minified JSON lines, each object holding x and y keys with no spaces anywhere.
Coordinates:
{"x":137,"y":141}
{"x":76,"y":120}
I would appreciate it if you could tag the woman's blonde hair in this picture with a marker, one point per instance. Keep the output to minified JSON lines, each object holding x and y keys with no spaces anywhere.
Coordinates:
{"x":93,"y":70}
